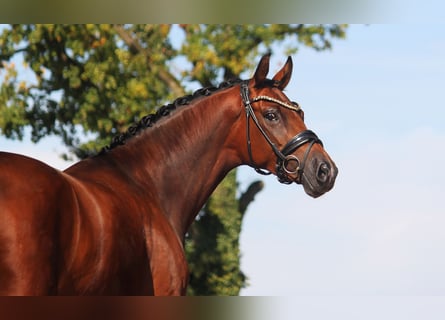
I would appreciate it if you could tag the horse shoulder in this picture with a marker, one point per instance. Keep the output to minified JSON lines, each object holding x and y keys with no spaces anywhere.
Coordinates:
{"x":105,"y":247}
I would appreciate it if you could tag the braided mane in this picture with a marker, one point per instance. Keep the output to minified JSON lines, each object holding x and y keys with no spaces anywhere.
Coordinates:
{"x":149,"y":120}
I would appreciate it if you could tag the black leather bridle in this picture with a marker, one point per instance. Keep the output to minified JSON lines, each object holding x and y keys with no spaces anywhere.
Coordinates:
{"x":287,"y":163}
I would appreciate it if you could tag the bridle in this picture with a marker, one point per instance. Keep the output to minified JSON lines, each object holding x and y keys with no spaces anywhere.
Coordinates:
{"x":287,"y":163}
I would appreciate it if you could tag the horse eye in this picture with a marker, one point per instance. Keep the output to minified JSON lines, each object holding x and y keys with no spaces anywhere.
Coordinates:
{"x":271,"y":116}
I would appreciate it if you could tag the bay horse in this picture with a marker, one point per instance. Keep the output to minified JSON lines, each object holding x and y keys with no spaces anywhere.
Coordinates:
{"x":114,"y":223}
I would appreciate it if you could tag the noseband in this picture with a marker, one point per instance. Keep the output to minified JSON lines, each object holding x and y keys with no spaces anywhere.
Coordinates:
{"x":287,"y":163}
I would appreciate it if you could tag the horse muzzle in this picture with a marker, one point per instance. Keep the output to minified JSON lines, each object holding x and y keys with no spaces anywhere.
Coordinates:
{"x":315,"y":170}
{"x":319,"y":176}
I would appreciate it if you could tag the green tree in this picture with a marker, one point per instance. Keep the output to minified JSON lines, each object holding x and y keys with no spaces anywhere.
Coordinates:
{"x":86,"y":83}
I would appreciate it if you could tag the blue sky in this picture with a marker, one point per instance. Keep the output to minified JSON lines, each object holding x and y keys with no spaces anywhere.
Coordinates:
{"x":377,"y":102}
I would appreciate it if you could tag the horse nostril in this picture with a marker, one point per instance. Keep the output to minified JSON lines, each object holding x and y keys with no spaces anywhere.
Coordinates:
{"x":323,"y":172}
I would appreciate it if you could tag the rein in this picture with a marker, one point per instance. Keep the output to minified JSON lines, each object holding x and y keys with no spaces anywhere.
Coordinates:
{"x":287,"y":163}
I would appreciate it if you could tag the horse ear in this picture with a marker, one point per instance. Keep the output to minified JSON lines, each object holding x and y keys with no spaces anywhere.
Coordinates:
{"x":283,"y":76}
{"x":261,"y":70}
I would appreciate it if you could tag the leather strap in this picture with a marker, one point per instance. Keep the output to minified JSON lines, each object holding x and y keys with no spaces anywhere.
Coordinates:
{"x":284,"y":157}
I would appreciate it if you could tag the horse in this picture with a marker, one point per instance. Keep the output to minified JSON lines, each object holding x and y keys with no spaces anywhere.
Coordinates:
{"x":115,"y":223}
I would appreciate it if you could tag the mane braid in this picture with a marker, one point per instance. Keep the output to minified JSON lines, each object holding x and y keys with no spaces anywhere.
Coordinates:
{"x":149,"y":120}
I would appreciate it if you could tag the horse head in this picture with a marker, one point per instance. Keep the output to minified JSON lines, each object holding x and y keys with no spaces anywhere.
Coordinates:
{"x":274,"y":123}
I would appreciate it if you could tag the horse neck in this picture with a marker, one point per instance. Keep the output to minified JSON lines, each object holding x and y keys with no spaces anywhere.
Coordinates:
{"x":185,"y":156}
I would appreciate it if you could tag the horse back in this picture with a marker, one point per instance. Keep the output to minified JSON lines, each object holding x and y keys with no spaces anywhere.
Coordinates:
{"x":25,"y":181}
{"x":30,"y":194}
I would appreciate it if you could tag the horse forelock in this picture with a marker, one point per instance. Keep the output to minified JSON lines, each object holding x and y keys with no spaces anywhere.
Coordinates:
{"x":268,"y":83}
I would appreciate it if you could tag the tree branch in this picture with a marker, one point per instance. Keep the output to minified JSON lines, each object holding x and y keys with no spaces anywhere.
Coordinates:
{"x":136,"y":48}
{"x":11,"y":54}
{"x":249,"y":195}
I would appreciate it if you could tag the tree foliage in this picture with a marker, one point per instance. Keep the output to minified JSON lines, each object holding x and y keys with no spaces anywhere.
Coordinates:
{"x":86,"y":83}
{"x":85,"y":79}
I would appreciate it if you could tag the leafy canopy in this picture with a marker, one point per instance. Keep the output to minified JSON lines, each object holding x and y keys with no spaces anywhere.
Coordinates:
{"x":79,"y":81}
